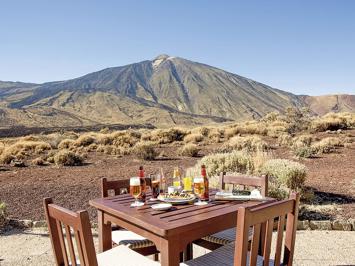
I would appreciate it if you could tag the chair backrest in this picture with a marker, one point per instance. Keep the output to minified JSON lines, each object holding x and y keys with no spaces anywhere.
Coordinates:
{"x":78,"y":222}
{"x":286,"y":212}
{"x":251,"y":181}
{"x":117,"y":186}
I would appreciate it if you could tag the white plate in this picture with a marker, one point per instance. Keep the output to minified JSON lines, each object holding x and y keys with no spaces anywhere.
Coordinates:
{"x":162,"y":206}
{"x":229,"y":195}
{"x":177,"y":201}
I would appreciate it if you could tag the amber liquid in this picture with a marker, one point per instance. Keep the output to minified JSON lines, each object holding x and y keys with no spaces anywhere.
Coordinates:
{"x":155,"y":188}
{"x":135,"y":191}
{"x":199,"y":189}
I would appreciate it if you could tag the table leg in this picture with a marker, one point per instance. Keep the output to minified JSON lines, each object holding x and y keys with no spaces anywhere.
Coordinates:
{"x":170,"y":254}
{"x":105,"y":233}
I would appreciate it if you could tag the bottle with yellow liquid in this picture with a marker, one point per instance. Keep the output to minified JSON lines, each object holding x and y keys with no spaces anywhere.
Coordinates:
{"x":187,"y":180}
{"x":177,"y":177}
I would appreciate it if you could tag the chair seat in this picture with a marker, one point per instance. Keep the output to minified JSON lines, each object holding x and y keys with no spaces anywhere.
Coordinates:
{"x":224,"y":237}
{"x":123,"y":256}
{"x":130,"y":239}
{"x":223,"y":256}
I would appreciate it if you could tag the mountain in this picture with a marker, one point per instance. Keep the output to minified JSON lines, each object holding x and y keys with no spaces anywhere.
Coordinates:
{"x":165,"y":90}
{"x":330,"y":103}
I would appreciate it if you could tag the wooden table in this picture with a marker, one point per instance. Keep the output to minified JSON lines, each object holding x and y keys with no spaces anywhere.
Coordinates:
{"x":171,"y":231}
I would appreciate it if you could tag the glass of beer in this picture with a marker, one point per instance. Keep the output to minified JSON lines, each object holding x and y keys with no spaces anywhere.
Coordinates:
{"x":199,"y":190}
{"x":155,"y":179}
{"x":135,"y":190}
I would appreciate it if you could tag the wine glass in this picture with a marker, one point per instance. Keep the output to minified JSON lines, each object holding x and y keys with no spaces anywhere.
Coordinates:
{"x":135,"y":190}
{"x":199,"y":190}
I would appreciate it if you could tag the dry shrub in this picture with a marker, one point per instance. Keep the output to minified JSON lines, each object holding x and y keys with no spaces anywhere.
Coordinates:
{"x":3,"y":214}
{"x":327,"y":145}
{"x":125,"y":139}
{"x":201,"y":130}
{"x":85,"y":140}
{"x":284,"y":175}
{"x":284,"y":139}
{"x":112,"y":150}
{"x":304,"y":152}
{"x":215,"y":135}
{"x":301,"y":143}
{"x":190,"y":150}
{"x":249,"y":143}
{"x":333,"y":121}
{"x":193,"y":137}
{"x":235,"y":161}
{"x":7,"y":158}
{"x":22,"y":149}
{"x":170,"y":135}
{"x":145,"y":150}
{"x":38,"y":161}
{"x":66,"y":144}
{"x":68,"y":158}
{"x":276,"y":129}
{"x":230,"y":132}
{"x":253,"y":127}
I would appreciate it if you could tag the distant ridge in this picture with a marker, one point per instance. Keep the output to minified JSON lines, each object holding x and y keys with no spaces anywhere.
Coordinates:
{"x":164,"y":91}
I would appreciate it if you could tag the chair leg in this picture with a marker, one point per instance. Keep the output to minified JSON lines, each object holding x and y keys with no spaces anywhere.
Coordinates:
{"x":188,"y":254}
{"x":156,"y":257}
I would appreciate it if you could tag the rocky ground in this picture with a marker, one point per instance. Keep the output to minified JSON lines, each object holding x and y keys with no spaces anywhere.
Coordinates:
{"x":32,"y":247}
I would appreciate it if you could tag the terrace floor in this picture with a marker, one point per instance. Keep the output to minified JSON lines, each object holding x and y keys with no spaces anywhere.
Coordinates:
{"x":32,"y":247}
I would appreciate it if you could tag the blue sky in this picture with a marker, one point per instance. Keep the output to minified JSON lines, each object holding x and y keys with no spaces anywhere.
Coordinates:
{"x":305,"y":47}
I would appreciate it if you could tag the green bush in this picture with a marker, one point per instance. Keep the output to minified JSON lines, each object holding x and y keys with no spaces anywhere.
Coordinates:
{"x":285,"y":174}
{"x":304,"y":152}
{"x":145,"y":150}
{"x":68,"y":158}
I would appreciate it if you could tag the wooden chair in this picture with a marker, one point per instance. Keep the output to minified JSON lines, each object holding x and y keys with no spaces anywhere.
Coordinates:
{"x":238,"y":254}
{"x":78,"y":223}
{"x":125,"y":237}
{"x":225,"y":237}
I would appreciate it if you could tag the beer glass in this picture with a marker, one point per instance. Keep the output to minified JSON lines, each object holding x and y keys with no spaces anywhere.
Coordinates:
{"x":155,"y":183}
{"x":135,"y":190}
{"x":199,"y":190}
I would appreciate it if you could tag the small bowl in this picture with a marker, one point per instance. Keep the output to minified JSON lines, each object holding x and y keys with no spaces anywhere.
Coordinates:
{"x":162,"y":206}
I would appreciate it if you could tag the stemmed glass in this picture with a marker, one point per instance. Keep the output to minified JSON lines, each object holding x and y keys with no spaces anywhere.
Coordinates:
{"x":199,"y":190}
{"x":135,"y":190}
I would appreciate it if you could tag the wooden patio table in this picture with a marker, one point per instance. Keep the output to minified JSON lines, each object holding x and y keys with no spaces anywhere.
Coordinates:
{"x":172,"y":230}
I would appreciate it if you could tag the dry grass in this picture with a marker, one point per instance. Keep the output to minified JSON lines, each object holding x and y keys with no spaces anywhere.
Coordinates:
{"x":164,"y":136}
{"x":38,"y":161}
{"x":145,"y":150}
{"x":193,"y":138}
{"x":190,"y":150}
{"x":3,"y":214}
{"x":68,"y":158}
{"x":249,"y":143}
{"x":327,"y":145}
{"x":333,"y":121}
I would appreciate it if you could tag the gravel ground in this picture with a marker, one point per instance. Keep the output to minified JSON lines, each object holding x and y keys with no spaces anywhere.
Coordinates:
{"x":32,"y":247}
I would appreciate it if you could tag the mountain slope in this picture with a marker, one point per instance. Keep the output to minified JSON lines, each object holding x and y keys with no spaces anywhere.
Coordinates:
{"x":330,"y":103}
{"x":165,"y":90}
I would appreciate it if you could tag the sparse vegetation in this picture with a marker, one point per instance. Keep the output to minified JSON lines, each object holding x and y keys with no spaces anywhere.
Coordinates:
{"x":193,"y":137}
{"x":249,"y":143}
{"x":145,"y":150}
{"x":68,"y":158}
{"x":38,"y":161}
{"x":3,"y":214}
{"x":284,"y":175}
{"x":190,"y":150}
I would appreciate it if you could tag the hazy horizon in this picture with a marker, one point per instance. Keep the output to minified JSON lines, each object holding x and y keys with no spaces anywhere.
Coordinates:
{"x":303,"y":47}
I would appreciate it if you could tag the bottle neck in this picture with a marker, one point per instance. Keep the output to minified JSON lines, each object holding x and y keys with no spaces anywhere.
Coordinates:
{"x":141,"y":173}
